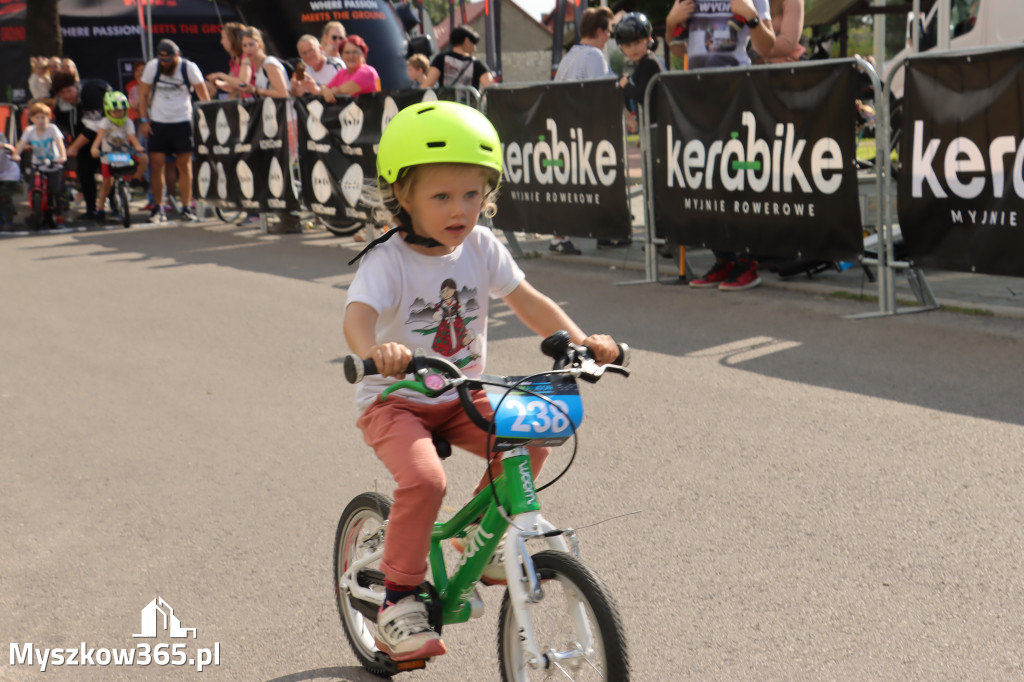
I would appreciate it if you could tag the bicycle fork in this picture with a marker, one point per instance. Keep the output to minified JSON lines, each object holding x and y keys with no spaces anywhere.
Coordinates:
{"x":524,"y":586}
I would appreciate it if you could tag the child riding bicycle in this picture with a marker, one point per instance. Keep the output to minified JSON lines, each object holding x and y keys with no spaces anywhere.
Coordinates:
{"x":48,"y":156}
{"x":116,"y":134}
{"x":439,"y":164}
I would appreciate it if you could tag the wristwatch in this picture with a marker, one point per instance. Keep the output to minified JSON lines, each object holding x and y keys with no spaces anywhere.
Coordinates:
{"x":753,"y":21}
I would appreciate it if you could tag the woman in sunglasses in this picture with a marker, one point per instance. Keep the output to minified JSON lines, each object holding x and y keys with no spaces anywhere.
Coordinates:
{"x":330,"y":40}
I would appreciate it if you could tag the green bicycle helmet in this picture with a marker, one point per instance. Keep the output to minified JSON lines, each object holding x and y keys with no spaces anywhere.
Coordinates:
{"x":437,"y":132}
{"x":115,"y":101}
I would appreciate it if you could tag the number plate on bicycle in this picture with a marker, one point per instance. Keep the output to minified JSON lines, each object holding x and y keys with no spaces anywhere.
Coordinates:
{"x":119,"y":159}
{"x":544,"y":411}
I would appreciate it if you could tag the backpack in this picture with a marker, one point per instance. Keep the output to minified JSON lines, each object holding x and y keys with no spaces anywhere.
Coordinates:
{"x":182,"y":62}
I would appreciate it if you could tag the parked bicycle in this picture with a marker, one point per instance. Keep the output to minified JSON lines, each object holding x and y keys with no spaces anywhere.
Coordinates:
{"x":557,"y":619}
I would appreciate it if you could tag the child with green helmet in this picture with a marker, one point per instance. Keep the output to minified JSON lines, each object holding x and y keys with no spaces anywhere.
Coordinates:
{"x":439,"y":164}
{"x":116,"y":135}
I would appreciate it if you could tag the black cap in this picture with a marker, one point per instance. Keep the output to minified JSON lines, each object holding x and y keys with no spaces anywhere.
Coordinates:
{"x":168,"y":47}
{"x":460,"y":34}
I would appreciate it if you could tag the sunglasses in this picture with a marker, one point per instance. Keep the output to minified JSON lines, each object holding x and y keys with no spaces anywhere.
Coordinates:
{"x":337,"y":37}
{"x":165,"y":59}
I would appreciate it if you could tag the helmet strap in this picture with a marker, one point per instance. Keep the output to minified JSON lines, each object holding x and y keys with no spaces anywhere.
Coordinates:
{"x":410,"y":238}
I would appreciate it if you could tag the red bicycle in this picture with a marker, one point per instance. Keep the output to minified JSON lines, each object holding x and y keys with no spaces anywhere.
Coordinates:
{"x":41,"y":212}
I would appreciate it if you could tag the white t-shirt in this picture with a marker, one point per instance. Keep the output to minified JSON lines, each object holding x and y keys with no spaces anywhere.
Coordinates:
{"x":437,"y":303}
{"x":332,"y":65}
{"x":710,"y":40}
{"x":262,"y":80}
{"x":581,"y":63}
{"x":172,"y":99}
{"x":115,"y":137}
{"x":44,"y":145}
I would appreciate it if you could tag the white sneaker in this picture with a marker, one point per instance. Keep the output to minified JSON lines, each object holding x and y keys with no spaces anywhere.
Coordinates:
{"x":404,"y":632}
{"x":494,"y":571}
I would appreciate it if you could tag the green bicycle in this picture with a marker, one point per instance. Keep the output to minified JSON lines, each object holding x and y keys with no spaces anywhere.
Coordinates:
{"x":557,"y":619}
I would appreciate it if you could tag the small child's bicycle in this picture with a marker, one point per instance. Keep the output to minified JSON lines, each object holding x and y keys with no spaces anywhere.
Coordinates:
{"x":557,"y":619}
{"x":121,"y":166}
{"x":40,"y":212}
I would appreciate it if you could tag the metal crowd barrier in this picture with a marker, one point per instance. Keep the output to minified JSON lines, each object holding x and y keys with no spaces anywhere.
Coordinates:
{"x":881,"y":181}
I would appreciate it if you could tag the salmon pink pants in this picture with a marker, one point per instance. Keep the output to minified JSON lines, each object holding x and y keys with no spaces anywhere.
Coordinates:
{"x":400,"y":432}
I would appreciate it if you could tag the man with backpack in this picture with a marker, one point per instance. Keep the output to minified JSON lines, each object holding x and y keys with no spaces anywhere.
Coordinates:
{"x":165,"y":117}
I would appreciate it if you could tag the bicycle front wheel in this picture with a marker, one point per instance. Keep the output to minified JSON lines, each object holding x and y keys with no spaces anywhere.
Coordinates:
{"x":576,"y":626}
{"x":125,"y":207}
{"x":360,"y":533}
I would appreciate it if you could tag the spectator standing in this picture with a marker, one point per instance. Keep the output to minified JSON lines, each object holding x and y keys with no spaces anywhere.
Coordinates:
{"x":788,"y":22}
{"x":10,"y":175}
{"x":712,"y":39}
{"x":416,"y":67}
{"x":48,"y":153}
{"x":330,"y":41}
{"x":270,"y":77}
{"x":459,"y":65}
{"x":357,"y":77}
{"x":586,"y":61}
{"x":131,"y":90}
{"x":231,"y":40}
{"x":79,"y":110}
{"x":319,"y":69}
{"x":165,"y":97}
{"x":633,"y":34}
{"x":39,"y":82}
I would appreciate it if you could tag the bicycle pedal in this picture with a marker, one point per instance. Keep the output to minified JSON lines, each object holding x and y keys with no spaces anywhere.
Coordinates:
{"x":415,"y":664}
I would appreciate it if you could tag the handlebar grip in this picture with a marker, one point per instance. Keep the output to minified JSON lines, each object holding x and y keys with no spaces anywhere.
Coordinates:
{"x":357,"y":369}
{"x":624,"y":355}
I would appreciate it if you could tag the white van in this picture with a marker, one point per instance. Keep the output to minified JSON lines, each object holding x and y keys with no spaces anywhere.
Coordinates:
{"x":972,"y":23}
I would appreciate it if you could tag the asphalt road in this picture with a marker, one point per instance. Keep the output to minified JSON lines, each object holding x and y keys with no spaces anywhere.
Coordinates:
{"x":816,"y":498}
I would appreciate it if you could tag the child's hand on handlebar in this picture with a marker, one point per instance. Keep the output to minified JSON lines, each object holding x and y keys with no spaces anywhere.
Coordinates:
{"x":391,"y":359}
{"x":603,"y":346}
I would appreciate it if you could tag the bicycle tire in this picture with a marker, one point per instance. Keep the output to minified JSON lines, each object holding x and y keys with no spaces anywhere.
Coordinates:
{"x":228,"y":215}
{"x":566,"y":582}
{"x":344,"y":230}
{"x":125,"y":206}
{"x":363,"y":518}
{"x":35,"y":210}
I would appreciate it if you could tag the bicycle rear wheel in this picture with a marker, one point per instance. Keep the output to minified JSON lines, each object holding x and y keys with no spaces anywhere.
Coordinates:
{"x":124,"y":206}
{"x":361,"y":532}
{"x":576,"y":625}
{"x":228,"y":215}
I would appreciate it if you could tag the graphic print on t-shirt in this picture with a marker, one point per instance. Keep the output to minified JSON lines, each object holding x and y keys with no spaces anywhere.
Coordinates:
{"x":712,"y":42}
{"x":448,"y":323}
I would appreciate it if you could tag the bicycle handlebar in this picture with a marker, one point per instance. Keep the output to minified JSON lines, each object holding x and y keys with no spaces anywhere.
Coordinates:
{"x":569,"y":358}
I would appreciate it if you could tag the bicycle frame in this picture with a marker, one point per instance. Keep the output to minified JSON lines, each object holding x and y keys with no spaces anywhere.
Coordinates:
{"x":516,"y":492}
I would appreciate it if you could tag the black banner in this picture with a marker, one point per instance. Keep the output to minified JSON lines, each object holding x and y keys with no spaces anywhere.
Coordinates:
{"x":338,"y":149}
{"x":961,"y":188}
{"x":564,"y":166}
{"x":760,"y":161}
{"x":242,"y":155}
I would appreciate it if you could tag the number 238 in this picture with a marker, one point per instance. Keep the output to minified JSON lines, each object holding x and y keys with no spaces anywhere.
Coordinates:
{"x":537,"y":416}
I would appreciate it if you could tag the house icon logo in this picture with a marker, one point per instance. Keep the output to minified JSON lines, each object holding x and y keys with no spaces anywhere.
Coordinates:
{"x":158,"y":615}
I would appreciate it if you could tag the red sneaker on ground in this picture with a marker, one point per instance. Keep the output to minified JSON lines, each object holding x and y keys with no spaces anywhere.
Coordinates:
{"x":718,"y":273}
{"x":744,"y":275}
